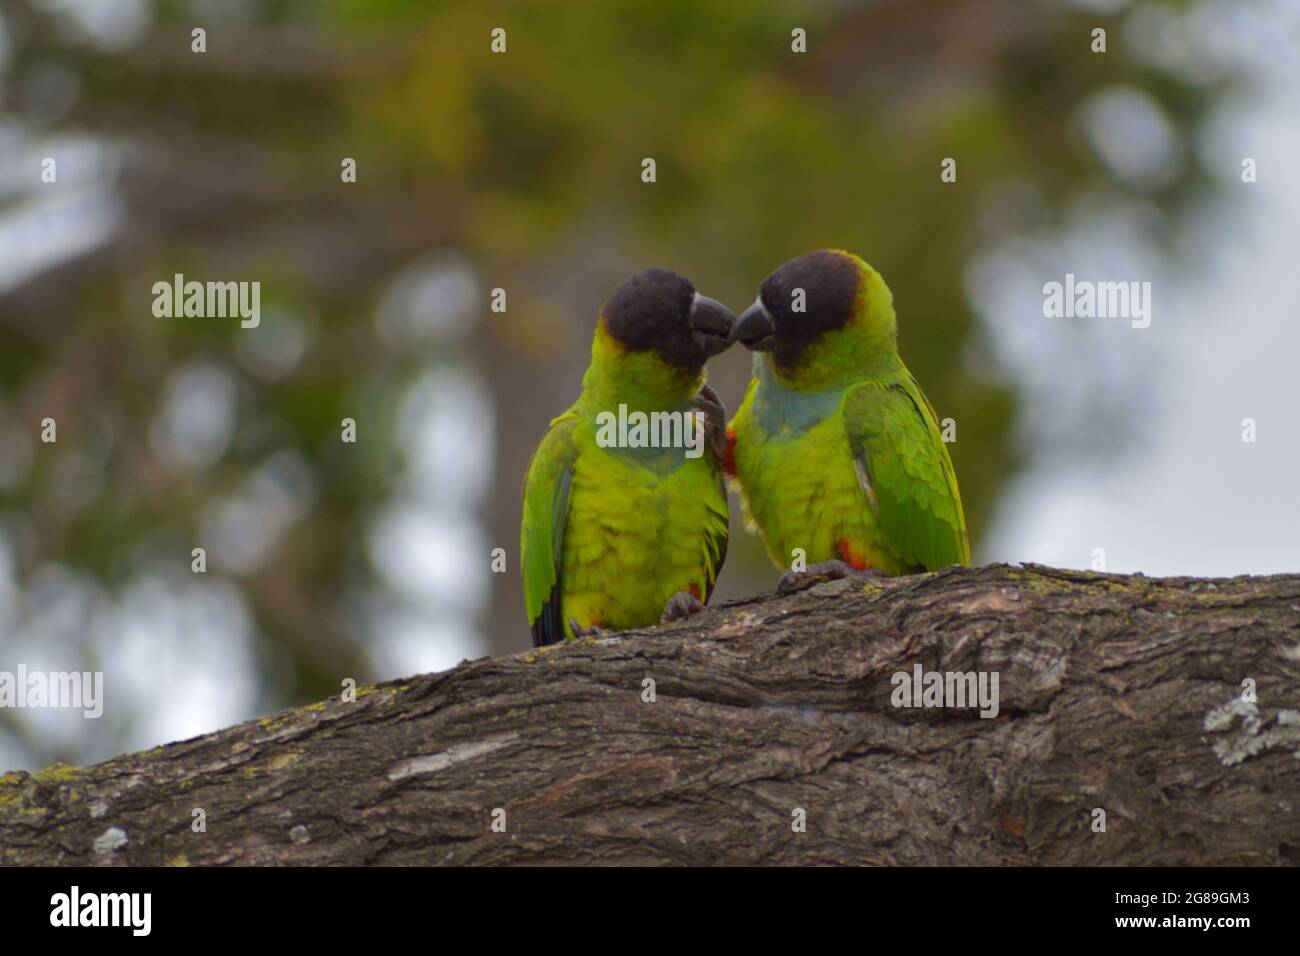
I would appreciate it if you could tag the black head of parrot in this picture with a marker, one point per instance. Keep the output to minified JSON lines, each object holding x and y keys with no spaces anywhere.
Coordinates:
{"x":658,"y":310}
{"x":807,"y":297}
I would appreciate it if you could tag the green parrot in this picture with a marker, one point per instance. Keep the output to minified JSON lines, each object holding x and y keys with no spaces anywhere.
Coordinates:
{"x":835,"y":450}
{"x":616,"y":536}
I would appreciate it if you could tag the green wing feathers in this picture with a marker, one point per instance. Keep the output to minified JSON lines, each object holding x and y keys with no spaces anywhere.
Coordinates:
{"x":716,"y":533}
{"x":541,"y":545}
{"x":909,"y":479}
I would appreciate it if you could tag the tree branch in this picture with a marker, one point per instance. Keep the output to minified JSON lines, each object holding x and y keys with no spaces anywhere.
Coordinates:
{"x":1120,"y":694}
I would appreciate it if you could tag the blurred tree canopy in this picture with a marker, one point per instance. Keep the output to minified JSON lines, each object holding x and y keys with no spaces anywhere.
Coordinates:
{"x":475,"y":170}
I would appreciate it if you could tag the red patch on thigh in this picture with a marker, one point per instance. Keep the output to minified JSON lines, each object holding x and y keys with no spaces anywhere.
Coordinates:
{"x":850,"y":556}
{"x":729,"y":457}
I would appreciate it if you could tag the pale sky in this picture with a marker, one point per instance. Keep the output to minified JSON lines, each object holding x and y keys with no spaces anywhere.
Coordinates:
{"x":1185,"y":494}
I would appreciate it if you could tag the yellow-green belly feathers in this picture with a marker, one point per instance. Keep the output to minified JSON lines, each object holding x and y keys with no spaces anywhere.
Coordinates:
{"x":799,"y":486}
{"x":643,"y":526}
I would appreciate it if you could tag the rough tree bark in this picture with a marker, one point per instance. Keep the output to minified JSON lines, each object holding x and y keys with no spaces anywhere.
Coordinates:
{"x":1123,"y":694}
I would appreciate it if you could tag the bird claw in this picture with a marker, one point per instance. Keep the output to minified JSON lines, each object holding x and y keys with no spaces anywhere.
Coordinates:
{"x":715,"y":419}
{"x":681,"y":606}
{"x":593,"y":630}
{"x":833,"y":570}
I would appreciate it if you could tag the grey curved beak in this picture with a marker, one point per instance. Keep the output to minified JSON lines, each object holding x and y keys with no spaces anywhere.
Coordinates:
{"x":712,"y":323}
{"x":754,"y":329}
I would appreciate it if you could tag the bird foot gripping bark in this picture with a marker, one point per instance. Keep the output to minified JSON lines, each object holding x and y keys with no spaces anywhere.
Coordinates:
{"x":715,"y":420}
{"x":832,"y":570}
{"x":681,"y":606}
{"x":593,"y":630}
